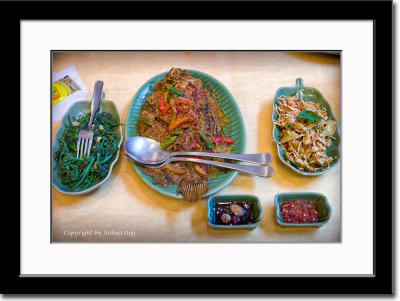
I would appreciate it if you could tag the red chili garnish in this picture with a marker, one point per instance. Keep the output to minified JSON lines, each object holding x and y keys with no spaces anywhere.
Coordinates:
{"x":165,"y":109}
{"x":162,"y":103}
{"x":181,"y":101}
{"x":182,"y":91}
{"x":223,"y":139}
{"x":177,"y":122}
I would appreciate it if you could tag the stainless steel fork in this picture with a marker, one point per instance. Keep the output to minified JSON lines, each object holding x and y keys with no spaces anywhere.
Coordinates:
{"x":85,"y":136}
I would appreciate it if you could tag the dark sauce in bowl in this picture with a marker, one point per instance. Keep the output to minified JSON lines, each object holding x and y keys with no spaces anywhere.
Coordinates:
{"x":233,"y":213}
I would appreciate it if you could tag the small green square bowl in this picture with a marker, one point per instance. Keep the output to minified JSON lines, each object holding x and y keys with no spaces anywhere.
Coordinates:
{"x":324,"y":208}
{"x":257,"y":209}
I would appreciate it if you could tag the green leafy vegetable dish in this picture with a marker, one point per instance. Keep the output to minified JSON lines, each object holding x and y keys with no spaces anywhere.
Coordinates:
{"x":82,"y":174}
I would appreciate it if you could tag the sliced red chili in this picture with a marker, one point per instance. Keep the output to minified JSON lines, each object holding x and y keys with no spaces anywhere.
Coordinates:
{"x":182,"y":101}
{"x":224,"y":139}
{"x":165,"y":109}
{"x":162,"y":103}
{"x":178,"y":122}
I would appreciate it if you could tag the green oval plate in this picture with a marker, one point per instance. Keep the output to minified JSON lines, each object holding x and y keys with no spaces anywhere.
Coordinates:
{"x":228,"y":105}
{"x":83,"y":108}
{"x":307,"y":93}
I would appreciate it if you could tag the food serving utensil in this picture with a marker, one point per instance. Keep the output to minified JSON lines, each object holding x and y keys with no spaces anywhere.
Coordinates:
{"x":148,"y":151}
{"x":85,"y":137}
{"x":265,"y":171}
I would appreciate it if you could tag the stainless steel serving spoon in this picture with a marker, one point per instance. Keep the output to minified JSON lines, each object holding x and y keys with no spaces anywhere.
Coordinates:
{"x":148,"y":151}
{"x":265,"y":171}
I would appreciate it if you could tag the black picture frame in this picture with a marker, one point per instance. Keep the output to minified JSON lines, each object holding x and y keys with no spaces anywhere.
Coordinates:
{"x":381,"y":12}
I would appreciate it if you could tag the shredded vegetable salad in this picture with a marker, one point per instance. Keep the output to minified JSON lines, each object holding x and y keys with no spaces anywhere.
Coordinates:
{"x":306,"y":133}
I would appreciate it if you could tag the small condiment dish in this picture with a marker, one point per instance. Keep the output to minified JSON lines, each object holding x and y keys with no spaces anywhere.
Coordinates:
{"x":324,"y":208}
{"x":254,"y":200}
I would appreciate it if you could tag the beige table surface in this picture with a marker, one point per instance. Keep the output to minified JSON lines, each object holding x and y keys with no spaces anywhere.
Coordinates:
{"x":125,"y":209}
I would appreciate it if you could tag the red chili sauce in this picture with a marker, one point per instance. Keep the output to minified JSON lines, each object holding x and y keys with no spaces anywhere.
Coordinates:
{"x":299,"y":212}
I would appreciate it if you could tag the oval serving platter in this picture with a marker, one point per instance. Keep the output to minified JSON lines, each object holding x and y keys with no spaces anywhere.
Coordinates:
{"x":75,"y":110}
{"x":307,"y":93}
{"x":228,"y":105}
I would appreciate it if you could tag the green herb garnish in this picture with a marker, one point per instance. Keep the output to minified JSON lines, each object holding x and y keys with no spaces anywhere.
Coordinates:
{"x":309,"y":115}
{"x":174,"y":91}
{"x":205,"y":140}
{"x":146,"y":121}
{"x":177,"y":132}
{"x":168,"y":142}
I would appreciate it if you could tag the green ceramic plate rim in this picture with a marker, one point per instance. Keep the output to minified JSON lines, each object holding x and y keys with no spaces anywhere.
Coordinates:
{"x":147,"y":179}
{"x":301,"y":194}
{"x":61,"y":128}
{"x":236,"y":198}
{"x":279,"y":148}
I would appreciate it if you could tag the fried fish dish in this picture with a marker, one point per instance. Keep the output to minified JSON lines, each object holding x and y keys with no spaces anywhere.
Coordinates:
{"x":183,"y":115}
